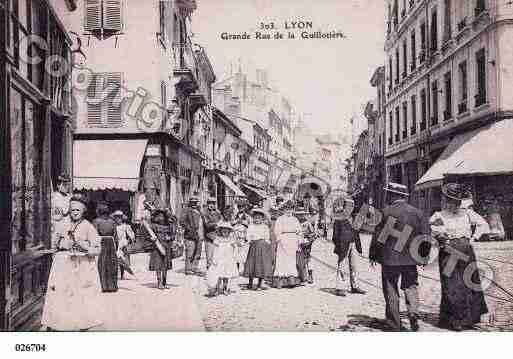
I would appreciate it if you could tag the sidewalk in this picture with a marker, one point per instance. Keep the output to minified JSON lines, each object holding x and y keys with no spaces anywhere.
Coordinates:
{"x":139,"y":306}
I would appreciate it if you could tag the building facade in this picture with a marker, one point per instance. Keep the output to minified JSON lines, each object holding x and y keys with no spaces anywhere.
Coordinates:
{"x":36,"y":147}
{"x":447,"y":72}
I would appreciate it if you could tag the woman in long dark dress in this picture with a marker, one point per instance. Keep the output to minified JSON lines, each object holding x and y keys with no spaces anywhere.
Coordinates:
{"x":259,"y":261}
{"x":463,"y":301}
{"x":164,"y":227}
{"x":107,"y":262}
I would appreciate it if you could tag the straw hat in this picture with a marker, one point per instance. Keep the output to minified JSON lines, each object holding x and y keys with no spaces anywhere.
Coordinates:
{"x":118,"y":213}
{"x":258,"y":210}
{"x":455,"y":191}
{"x":224,"y":224}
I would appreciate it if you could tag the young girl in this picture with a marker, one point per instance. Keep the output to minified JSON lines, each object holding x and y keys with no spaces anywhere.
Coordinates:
{"x":224,"y":266}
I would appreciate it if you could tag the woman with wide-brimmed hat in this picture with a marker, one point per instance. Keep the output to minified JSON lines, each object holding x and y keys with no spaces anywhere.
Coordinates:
{"x":259,"y":261}
{"x":73,"y":295}
{"x":463,"y":301}
{"x":288,"y":237}
{"x":163,"y":227}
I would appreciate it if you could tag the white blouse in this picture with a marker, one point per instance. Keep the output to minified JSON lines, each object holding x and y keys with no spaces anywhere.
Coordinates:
{"x":457,"y":225}
{"x":257,"y":231}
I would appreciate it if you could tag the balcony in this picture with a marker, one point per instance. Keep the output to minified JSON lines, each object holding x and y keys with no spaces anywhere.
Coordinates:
{"x":462,"y":24}
{"x":447,"y":115}
{"x":186,"y":67}
{"x":434,"y":120}
{"x":462,"y":107}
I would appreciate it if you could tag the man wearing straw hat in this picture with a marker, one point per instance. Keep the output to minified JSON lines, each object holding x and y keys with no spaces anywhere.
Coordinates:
{"x":392,"y":246}
{"x":192,"y":222}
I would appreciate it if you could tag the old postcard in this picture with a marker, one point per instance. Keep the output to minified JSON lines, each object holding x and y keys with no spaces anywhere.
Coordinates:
{"x":256,"y":166}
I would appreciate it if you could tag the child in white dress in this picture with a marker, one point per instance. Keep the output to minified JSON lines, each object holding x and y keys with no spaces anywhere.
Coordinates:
{"x":224,"y":266}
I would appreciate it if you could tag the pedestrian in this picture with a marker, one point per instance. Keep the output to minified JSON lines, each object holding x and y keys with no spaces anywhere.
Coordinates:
{"x":61,"y":198}
{"x":462,"y":302}
{"x":309,"y":233}
{"x":223,"y":266}
{"x":259,"y":259}
{"x":72,"y":298}
{"x":192,"y":224}
{"x":398,"y":259}
{"x":108,"y":261}
{"x":228,"y":214}
{"x":125,"y":236}
{"x":347,"y":244}
{"x":241,"y":248}
{"x":211,"y":216}
{"x":163,"y":232}
{"x":288,"y":232}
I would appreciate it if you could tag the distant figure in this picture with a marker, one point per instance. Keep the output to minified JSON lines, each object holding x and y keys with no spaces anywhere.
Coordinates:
{"x":108,"y":262}
{"x":192,"y":224}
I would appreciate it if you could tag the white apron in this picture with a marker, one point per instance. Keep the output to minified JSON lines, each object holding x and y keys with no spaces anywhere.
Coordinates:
{"x":287,"y":246}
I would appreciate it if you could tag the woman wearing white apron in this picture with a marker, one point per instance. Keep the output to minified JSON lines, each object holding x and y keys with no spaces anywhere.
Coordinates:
{"x":72,"y":298}
{"x":287,"y":230}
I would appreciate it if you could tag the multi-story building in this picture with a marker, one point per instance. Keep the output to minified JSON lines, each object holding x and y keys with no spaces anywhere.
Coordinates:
{"x":36,"y":130}
{"x":145,"y":87}
{"x":374,"y":112}
{"x":448,"y":72}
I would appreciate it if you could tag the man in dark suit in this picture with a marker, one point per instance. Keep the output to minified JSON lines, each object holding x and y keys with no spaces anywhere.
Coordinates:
{"x":400,"y":244}
{"x":192,"y":223}
{"x":211,"y":217}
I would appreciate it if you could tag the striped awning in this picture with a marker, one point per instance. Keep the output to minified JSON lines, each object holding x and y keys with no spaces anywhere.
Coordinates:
{"x":107,"y":164}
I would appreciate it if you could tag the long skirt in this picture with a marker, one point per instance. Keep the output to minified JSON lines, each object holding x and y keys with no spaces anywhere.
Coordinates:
{"x":223,"y":266}
{"x":460,"y":305}
{"x":73,"y":297}
{"x":159,"y":262}
{"x":259,"y":262}
{"x":286,"y":255}
{"x":108,"y":265}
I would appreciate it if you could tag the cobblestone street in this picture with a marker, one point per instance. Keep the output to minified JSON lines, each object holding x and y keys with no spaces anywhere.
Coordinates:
{"x":315,"y":307}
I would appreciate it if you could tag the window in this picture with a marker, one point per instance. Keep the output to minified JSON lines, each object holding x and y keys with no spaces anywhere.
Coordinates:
{"x":422,"y":42}
{"x":395,"y":13}
{"x":405,"y":59}
{"x":413,"y":115}
{"x":391,"y":130}
{"x":405,"y":120}
{"x":462,"y":106}
{"x":103,"y":18}
{"x":447,"y":20}
{"x":162,"y":23}
{"x":397,"y":71}
{"x":448,"y":96}
{"x":434,"y":95}
{"x":434,"y":31}
{"x":397,"y":124}
{"x":390,"y":73}
{"x":423,"y":105}
{"x":413,"y":51}
{"x":481,"y":77}
{"x":480,"y":7}
{"x":104,"y":100}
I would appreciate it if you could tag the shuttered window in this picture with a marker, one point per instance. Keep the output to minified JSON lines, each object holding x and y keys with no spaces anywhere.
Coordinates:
{"x":104,"y":99}
{"x":103,"y":18}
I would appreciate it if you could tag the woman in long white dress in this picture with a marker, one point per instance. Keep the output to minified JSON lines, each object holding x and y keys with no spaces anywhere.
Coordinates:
{"x":287,"y":230}
{"x":72,"y":298}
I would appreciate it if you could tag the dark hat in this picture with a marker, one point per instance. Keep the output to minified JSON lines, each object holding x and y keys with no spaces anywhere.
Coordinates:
{"x":63,"y":178}
{"x":79,"y":197}
{"x":455,"y":191}
{"x":397,"y":188}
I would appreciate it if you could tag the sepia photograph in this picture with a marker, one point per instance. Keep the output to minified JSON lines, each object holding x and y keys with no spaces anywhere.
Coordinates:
{"x":255,"y":166}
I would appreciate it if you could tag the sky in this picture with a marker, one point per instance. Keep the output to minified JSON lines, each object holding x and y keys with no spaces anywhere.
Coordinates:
{"x":327,"y":79}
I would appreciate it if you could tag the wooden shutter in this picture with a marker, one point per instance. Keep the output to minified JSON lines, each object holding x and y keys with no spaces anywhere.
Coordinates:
{"x":112,"y":17}
{"x":113,"y":101}
{"x":94,"y":109}
{"x":93,"y":16}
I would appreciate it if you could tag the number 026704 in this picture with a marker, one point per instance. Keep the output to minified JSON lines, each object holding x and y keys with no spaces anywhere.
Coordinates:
{"x":30,"y":347}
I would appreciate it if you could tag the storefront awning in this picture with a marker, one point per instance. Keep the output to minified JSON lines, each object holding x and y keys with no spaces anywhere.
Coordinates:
{"x":260,"y":193}
{"x":485,"y":151}
{"x":232,"y":186}
{"x":107,"y":164}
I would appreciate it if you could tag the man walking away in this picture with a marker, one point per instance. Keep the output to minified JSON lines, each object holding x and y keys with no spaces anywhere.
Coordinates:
{"x":211,"y":217}
{"x":391,"y":243}
{"x":192,"y":223}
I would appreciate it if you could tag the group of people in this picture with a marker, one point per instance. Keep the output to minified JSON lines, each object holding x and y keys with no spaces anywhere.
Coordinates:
{"x":251,"y":243}
{"x":398,"y":246}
